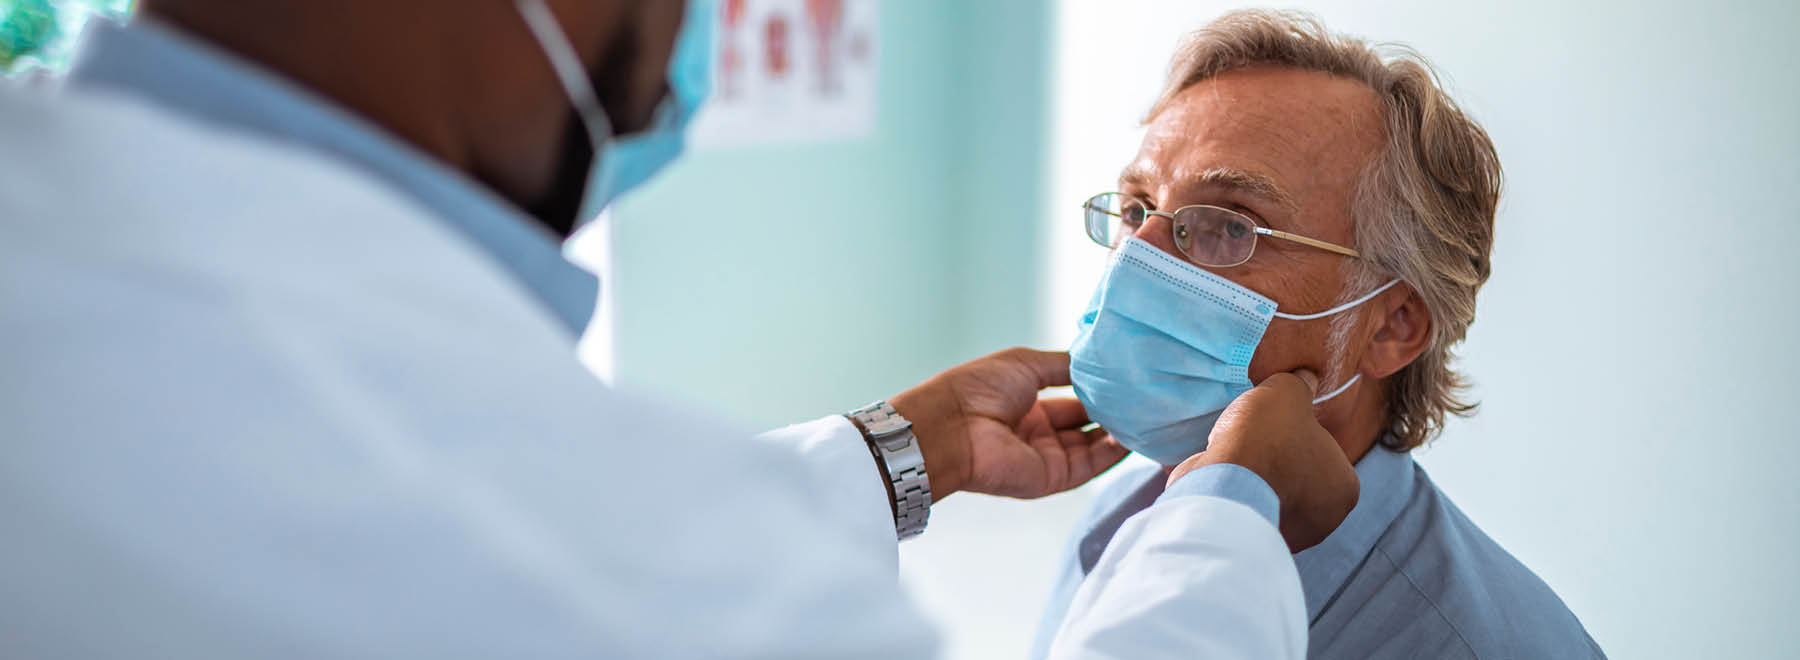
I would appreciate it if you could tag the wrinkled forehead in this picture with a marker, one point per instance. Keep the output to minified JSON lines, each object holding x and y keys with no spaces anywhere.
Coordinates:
{"x":1303,"y":137}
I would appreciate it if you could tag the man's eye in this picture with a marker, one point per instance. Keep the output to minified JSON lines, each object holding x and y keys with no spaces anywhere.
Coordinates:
{"x":1132,"y":216}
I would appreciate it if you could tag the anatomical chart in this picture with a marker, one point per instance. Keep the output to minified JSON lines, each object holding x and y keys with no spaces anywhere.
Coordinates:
{"x":791,"y":70}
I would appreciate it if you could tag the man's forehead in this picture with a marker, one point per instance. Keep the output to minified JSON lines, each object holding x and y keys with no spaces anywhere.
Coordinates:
{"x":1330,"y":105}
{"x":1297,"y":133}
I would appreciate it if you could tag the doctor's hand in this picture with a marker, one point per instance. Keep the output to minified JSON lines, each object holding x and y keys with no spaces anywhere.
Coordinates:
{"x":982,"y":428}
{"x":1273,"y":431}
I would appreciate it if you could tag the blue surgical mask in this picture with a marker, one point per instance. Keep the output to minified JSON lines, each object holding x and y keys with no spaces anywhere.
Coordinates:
{"x":624,"y":163}
{"x":1165,"y":346}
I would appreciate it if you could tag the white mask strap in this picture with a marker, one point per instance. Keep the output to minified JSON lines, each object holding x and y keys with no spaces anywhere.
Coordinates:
{"x":569,"y":70}
{"x":1339,"y":308}
{"x":1341,"y":388}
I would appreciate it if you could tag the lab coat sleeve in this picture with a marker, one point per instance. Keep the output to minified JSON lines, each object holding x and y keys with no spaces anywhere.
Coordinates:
{"x":850,"y":491}
{"x":320,"y":425}
{"x":1202,"y":573}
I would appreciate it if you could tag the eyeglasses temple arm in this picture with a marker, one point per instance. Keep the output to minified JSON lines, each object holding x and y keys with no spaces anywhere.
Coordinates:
{"x":1165,"y":214}
{"x":1091,"y":207}
{"x":1331,"y":247}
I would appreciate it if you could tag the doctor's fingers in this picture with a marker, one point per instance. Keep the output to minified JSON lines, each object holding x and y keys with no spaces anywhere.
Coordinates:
{"x":1090,"y":452}
{"x":1064,"y":412}
{"x":1297,"y":384}
{"x":1048,"y":368}
{"x":1074,"y":438}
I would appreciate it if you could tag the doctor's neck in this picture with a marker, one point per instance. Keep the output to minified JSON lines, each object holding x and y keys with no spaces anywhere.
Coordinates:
{"x":464,"y":82}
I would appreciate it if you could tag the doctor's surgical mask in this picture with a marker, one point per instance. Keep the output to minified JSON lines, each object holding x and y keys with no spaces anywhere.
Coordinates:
{"x":623,"y":163}
{"x":1164,"y":345}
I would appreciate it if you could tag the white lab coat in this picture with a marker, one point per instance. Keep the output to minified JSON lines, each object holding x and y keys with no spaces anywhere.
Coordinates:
{"x":253,"y":404}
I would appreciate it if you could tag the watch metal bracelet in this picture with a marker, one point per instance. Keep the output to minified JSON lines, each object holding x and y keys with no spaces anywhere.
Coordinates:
{"x":891,"y":437}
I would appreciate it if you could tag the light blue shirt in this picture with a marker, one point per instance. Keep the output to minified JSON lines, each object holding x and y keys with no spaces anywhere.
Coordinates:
{"x":158,"y":63}
{"x":1407,"y":575}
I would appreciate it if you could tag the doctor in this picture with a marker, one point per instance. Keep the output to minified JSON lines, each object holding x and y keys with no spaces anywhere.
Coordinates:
{"x":288,"y":347}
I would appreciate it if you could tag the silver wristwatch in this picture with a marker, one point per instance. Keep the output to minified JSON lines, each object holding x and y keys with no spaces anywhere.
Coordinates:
{"x":891,"y":439}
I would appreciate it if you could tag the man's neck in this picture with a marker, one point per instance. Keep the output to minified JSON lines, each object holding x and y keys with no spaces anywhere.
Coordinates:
{"x":1357,"y":446}
{"x":1365,"y":424}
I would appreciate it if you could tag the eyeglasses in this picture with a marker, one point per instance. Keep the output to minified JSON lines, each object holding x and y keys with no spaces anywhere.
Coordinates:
{"x":1209,"y":235}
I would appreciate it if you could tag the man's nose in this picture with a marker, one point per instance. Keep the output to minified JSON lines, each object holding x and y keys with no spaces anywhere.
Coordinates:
{"x":1158,"y":231}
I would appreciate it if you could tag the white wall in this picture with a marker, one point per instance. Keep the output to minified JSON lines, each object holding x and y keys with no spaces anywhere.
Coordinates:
{"x":1634,"y":351}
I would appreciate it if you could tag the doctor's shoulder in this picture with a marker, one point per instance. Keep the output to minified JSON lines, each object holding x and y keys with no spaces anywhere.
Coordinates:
{"x":112,"y":157}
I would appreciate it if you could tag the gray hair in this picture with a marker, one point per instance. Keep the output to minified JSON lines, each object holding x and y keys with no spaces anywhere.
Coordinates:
{"x":1423,"y":209}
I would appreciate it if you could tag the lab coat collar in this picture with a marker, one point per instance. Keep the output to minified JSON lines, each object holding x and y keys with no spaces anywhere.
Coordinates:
{"x":155,"y":61}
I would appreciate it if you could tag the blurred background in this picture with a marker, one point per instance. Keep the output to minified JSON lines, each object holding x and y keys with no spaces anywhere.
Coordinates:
{"x":1634,"y":351}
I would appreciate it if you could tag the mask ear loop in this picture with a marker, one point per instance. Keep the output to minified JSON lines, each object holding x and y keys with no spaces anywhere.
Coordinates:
{"x":1307,"y":317}
{"x":1339,"y":308}
{"x":569,"y":72}
{"x":1339,"y":390}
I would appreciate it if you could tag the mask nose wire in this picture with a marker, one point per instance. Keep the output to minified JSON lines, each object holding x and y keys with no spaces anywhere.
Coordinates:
{"x":1339,"y":308}
{"x":567,"y":65}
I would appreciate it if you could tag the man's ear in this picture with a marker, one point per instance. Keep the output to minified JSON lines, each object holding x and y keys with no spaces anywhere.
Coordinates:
{"x":1403,"y":332}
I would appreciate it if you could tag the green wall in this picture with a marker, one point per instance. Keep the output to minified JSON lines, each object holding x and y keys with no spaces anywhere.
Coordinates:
{"x":788,"y":281}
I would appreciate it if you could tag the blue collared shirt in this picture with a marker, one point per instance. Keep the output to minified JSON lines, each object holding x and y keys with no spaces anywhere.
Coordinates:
{"x":158,"y":63}
{"x":1406,"y":574}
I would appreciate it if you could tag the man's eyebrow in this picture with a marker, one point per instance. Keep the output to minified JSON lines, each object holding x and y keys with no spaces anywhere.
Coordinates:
{"x":1253,"y":183}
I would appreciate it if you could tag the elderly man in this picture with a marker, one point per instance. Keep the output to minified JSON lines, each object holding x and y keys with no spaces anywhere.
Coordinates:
{"x":1305,"y":201}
